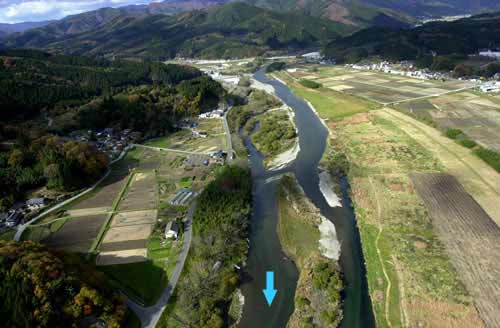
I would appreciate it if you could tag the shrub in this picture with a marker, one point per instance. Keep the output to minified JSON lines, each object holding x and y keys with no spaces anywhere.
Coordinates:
{"x":453,"y":133}
{"x":310,"y":84}
{"x":468,"y":143}
{"x":491,"y":157}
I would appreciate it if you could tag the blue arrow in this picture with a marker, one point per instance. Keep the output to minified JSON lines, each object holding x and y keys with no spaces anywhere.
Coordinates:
{"x":269,"y":292}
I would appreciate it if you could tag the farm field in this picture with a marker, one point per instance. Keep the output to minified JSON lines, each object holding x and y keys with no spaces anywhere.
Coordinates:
{"x":480,"y":180}
{"x":476,"y":114}
{"x":185,"y":141}
{"x":377,"y":86}
{"x":411,"y":278}
{"x":470,"y":236}
{"x":330,"y":104}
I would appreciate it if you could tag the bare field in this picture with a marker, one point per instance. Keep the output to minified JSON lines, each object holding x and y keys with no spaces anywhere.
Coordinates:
{"x":76,"y":235}
{"x":470,"y":236}
{"x":122,"y":257}
{"x":140,"y":194}
{"x":377,"y":86}
{"x":106,"y":194}
{"x":480,"y":180}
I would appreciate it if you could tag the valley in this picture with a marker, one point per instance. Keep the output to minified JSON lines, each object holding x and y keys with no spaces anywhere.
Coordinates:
{"x":250,"y":163}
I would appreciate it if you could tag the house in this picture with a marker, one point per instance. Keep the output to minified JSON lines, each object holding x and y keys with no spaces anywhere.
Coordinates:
{"x":490,"y":87}
{"x":172,"y":230}
{"x":35,"y":203}
{"x":13,"y":219}
{"x":200,"y":134}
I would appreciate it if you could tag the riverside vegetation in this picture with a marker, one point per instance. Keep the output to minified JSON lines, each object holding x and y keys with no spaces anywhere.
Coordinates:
{"x":318,"y":300}
{"x":220,"y":229}
{"x":276,"y":131}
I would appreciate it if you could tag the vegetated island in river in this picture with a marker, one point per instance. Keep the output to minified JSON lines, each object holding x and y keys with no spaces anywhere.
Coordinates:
{"x":318,"y":301}
{"x":271,"y":126}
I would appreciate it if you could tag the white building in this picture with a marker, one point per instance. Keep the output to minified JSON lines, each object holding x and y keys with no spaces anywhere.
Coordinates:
{"x":490,"y":87}
{"x":491,"y":54}
{"x":172,"y":230}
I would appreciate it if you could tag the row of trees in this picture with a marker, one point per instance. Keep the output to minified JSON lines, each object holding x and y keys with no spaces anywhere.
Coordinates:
{"x":220,"y":226}
{"x":41,"y":288}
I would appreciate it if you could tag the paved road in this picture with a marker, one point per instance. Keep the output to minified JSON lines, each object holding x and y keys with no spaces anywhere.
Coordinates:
{"x":230,"y":154}
{"x":174,"y":150}
{"x":150,"y":316}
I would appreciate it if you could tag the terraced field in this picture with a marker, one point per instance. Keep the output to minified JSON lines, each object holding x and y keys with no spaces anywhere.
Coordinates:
{"x":125,"y":241}
{"x":470,"y":236}
{"x":76,"y":235}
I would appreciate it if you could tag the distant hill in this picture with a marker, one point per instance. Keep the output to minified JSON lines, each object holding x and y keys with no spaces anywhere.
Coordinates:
{"x":20,"y":27}
{"x":231,"y":30}
{"x":461,"y":37}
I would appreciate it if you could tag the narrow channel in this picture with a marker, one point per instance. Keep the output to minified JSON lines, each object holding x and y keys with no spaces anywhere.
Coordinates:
{"x":265,"y":252}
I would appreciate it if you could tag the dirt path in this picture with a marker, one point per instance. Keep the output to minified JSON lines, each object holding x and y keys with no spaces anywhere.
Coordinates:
{"x":380,"y":229}
{"x":479,"y":179}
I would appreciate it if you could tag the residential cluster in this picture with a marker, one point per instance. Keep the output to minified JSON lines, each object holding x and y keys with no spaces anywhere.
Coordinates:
{"x":110,"y":141}
{"x":407,"y":68}
{"x":16,"y":214}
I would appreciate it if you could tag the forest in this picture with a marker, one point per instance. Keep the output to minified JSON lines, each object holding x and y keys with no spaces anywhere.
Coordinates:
{"x":220,"y":224}
{"x":41,"y":288}
{"x":48,"y":161}
{"x":32,"y":80}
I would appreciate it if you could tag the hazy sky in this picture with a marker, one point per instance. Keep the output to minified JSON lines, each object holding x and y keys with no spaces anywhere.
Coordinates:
{"x":15,"y":11}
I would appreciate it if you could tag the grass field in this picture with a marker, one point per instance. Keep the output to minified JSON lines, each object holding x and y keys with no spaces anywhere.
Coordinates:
{"x":330,"y":104}
{"x":409,"y":274}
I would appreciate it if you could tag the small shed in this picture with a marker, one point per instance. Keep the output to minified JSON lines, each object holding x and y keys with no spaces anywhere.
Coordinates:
{"x":172,"y":230}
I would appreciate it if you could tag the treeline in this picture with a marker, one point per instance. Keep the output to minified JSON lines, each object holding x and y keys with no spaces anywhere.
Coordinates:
{"x":220,"y":227}
{"x":41,"y":288}
{"x":437,"y":43}
{"x":31,"y":80}
{"x":50,"y":160}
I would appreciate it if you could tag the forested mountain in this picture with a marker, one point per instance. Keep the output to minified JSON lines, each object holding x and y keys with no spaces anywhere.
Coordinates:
{"x":232,"y":30}
{"x":363,"y":13}
{"x":458,"y":38}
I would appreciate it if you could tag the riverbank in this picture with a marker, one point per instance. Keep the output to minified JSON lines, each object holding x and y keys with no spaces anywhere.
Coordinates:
{"x":310,"y":240}
{"x":410,"y":277}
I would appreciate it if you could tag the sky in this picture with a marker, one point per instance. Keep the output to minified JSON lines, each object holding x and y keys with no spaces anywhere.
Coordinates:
{"x":16,"y":11}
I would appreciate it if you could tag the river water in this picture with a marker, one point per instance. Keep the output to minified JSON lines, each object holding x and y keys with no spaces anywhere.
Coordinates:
{"x":265,"y":252}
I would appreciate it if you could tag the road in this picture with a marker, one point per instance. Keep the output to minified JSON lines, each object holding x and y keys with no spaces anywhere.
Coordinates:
{"x":150,"y":316}
{"x":173,"y":150}
{"x":230,"y":154}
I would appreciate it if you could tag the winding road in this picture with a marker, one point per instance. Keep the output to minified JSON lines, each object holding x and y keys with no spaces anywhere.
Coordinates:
{"x":150,"y":315}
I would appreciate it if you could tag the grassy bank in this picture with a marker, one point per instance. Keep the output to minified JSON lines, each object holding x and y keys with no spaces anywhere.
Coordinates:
{"x":330,"y":104}
{"x":317,"y":297}
{"x":410,"y":276}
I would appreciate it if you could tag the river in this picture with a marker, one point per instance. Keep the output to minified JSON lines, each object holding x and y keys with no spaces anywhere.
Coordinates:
{"x":265,"y":252}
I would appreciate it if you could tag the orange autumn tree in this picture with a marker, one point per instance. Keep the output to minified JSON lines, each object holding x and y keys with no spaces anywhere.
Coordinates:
{"x":41,"y":288}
